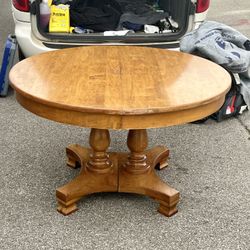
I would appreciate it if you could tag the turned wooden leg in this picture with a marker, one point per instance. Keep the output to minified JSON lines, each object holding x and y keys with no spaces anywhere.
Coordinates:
{"x":97,"y":175}
{"x":138,"y":175}
{"x":137,"y":143}
{"x":99,"y":159}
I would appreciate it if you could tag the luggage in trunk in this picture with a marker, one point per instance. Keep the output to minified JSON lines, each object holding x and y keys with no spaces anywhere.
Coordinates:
{"x":145,"y":21}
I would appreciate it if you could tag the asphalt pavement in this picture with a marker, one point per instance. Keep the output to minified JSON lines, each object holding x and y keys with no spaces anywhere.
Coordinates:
{"x":209,"y":165}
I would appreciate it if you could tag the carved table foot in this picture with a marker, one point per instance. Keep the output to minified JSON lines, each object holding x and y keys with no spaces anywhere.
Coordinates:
{"x":87,"y":182}
{"x":146,"y":181}
{"x":158,"y":157}
{"x":77,"y":155}
{"x":98,"y":174}
{"x":150,"y":184}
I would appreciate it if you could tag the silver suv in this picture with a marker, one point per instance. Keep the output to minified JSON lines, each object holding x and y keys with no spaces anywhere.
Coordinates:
{"x":182,"y":16}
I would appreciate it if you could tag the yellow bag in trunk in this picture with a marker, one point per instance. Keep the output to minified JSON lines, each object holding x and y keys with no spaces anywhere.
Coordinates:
{"x":59,"y":19}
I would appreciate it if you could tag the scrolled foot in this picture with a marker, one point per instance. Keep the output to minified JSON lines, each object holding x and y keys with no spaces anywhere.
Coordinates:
{"x":162,"y":164}
{"x":72,"y":163}
{"x":76,"y":155}
{"x":158,"y":157}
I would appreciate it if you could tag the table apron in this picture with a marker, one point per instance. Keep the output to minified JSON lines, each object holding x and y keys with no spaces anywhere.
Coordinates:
{"x":117,"y":121}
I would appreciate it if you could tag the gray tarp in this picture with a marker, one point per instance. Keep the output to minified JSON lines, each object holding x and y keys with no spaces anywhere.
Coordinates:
{"x":224,"y":46}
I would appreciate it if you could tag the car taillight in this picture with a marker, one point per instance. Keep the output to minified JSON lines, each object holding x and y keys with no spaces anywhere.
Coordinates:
{"x":22,"y":5}
{"x":202,"y":5}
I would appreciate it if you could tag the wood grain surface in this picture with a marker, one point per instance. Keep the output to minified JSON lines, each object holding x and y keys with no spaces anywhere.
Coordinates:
{"x":120,"y":85}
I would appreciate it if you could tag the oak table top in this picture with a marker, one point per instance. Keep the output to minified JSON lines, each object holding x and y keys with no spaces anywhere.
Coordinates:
{"x":119,"y":87}
{"x":126,"y":83}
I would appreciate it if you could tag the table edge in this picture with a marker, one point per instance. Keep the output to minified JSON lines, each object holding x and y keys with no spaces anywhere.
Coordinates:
{"x":120,"y":121}
{"x":156,"y":110}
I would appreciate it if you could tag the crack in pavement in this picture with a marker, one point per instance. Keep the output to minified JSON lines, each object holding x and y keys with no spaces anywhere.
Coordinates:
{"x":244,"y":126}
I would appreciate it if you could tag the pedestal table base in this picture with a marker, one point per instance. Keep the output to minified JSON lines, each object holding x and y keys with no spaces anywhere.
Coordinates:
{"x":132,"y":172}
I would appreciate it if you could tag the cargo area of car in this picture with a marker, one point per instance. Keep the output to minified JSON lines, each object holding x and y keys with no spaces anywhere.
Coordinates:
{"x":127,"y":21}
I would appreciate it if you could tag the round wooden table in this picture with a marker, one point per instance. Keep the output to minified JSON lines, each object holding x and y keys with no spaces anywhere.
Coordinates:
{"x":119,"y":87}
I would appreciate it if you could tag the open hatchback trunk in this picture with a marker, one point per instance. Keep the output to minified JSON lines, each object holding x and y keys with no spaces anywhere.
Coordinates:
{"x":148,"y":22}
